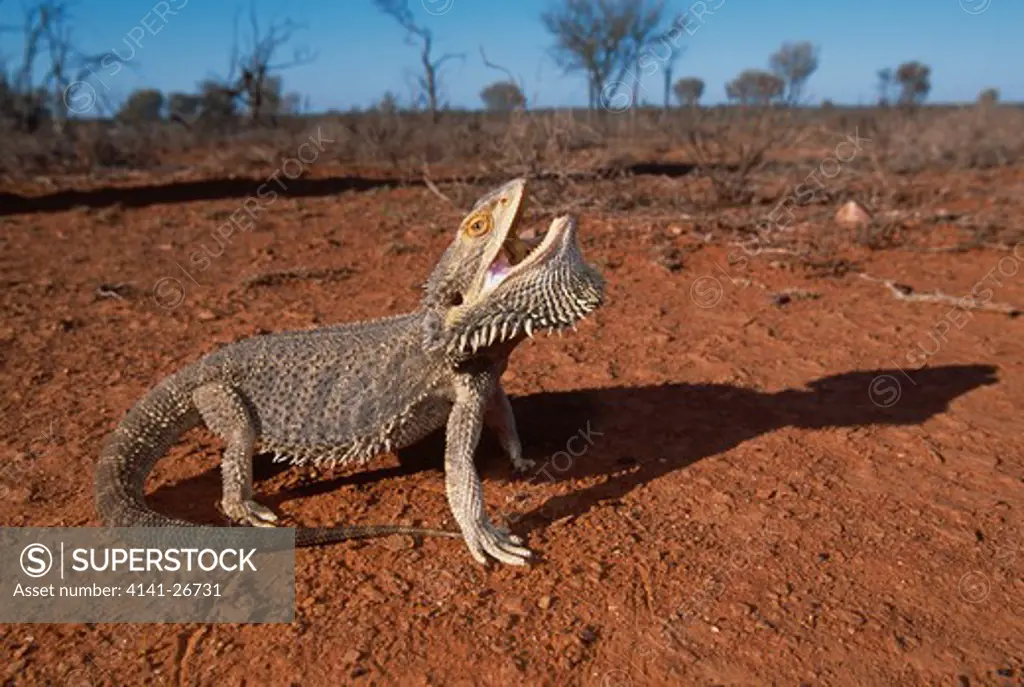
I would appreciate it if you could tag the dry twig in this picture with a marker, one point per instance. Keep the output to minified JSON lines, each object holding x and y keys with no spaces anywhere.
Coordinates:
{"x":903,"y":292}
{"x":433,"y":187}
{"x":118,"y":291}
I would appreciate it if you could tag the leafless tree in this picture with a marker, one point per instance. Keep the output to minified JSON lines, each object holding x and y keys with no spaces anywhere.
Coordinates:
{"x":257,"y":84}
{"x":605,"y":40}
{"x":688,"y":91}
{"x":584,"y":42}
{"x":643,"y":21}
{"x":429,"y":81}
{"x":253,"y":82}
{"x":54,"y":75}
{"x":794,"y":63}
{"x":755,"y":87}
{"x":667,"y":50}
{"x":915,"y":82}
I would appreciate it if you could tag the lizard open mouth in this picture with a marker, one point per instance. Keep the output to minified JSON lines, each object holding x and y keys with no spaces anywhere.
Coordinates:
{"x":518,"y":252}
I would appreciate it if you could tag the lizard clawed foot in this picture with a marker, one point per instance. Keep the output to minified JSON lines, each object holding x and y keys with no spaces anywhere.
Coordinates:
{"x":484,"y":538}
{"x":520,"y":464}
{"x":249,"y":513}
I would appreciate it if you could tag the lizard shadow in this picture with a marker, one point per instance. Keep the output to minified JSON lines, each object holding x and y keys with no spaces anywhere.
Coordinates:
{"x":638,"y":434}
{"x":634,"y":434}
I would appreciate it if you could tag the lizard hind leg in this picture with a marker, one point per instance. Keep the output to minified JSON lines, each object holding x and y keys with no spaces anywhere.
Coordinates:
{"x":227,"y":416}
{"x":500,"y":419}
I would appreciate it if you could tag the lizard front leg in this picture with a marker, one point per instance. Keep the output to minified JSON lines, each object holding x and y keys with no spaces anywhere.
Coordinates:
{"x":465,"y":493}
{"x":227,"y":416}
{"x":500,"y":419}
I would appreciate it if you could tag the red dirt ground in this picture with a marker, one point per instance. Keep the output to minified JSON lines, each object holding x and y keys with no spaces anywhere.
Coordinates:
{"x":766,"y":497}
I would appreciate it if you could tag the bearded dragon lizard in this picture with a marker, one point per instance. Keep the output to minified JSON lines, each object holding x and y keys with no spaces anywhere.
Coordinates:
{"x":346,"y":393}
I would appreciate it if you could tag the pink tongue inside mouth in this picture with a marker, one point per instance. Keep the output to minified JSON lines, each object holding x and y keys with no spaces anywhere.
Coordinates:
{"x":498,"y":270}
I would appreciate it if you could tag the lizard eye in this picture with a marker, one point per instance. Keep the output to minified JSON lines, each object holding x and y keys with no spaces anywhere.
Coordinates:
{"x":478,"y":225}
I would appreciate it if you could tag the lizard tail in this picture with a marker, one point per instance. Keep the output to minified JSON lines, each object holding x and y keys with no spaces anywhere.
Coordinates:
{"x":316,"y":536}
{"x":146,"y":433}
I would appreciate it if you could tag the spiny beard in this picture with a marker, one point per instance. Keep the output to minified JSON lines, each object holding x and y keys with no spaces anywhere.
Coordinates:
{"x":554,"y":301}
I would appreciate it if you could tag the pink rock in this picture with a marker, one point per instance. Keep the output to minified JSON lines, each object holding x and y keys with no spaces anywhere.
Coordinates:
{"x":853,"y":214}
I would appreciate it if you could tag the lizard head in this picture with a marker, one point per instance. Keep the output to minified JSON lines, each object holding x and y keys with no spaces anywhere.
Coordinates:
{"x":493,"y":286}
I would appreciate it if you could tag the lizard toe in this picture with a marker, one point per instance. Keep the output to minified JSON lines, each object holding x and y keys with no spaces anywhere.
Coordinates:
{"x":476,"y":551}
{"x":506,"y":534}
{"x":507,"y":553}
{"x":523,"y":464}
{"x":504,"y":546}
{"x":250,"y":513}
{"x":485,"y":540}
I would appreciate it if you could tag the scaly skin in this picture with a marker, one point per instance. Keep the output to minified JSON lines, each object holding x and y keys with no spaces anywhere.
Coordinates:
{"x":346,"y":393}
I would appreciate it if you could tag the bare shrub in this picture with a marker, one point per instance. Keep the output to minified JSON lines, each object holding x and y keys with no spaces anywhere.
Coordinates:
{"x":729,"y":145}
{"x":503,"y":96}
{"x":961,"y":138}
{"x":541,"y":143}
{"x":386,"y":133}
{"x":142,"y":106}
{"x":104,"y":145}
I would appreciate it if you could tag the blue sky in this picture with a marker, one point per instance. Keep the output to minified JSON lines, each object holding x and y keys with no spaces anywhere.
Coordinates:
{"x":361,"y":53}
